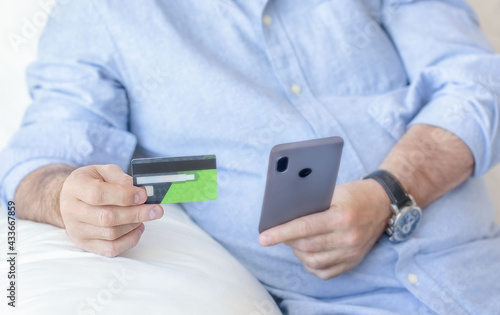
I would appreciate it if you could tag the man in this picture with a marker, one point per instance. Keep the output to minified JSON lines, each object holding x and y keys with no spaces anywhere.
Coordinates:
{"x":408,"y":85}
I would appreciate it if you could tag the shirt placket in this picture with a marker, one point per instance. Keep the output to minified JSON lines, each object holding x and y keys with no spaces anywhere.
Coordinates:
{"x":288,"y":71}
{"x":421,"y":284}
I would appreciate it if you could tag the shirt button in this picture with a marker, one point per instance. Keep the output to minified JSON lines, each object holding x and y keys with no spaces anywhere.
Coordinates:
{"x":267,"y":20}
{"x":296,"y":89}
{"x":412,"y":278}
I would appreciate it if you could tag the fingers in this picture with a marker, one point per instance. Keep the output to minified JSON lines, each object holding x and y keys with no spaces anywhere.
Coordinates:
{"x":319,"y":260}
{"x":114,"y":174}
{"x":95,"y":192}
{"x":328,"y":264}
{"x":105,"y":185}
{"x":102,"y":210}
{"x":110,"y":216}
{"x":116,"y":247}
{"x":319,"y":243}
{"x":307,"y":226}
{"x":336,"y":240}
{"x":326,"y":274}
{"x":92,"y":232}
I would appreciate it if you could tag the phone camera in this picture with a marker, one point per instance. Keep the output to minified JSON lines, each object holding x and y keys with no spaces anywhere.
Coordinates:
{"x":282,"y":164}
{"x":305,"y":172}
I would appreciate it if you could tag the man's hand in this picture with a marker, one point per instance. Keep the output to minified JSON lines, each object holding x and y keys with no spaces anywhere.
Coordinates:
{"x":336,"y":240}
{"x":102,"y":211}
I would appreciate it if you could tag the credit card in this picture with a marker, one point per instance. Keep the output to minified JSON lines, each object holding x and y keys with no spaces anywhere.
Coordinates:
{"x":177,"y":179}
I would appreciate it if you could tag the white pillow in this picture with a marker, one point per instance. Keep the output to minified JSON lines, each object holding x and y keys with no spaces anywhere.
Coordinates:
{"x":175,"y":269}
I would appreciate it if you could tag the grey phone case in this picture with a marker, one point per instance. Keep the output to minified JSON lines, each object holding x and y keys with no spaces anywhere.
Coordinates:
{"x":288,"y":195}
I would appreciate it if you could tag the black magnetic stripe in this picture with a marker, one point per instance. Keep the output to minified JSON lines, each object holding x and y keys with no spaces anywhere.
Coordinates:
{"x":173,"y":166}
{"x":392,"y":186}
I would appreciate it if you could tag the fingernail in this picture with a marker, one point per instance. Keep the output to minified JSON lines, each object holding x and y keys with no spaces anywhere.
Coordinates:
{"x":155,"y":213}
{"x":265,"y":240}
{"x":142,"y":228}
{"x":140,"y":197}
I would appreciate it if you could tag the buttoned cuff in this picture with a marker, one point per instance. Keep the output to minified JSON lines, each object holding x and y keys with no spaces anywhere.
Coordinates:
{"x":19,"y":172}
{"x":74,"y":144}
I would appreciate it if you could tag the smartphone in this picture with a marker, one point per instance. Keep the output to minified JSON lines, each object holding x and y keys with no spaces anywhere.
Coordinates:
{"x":301,"y":177}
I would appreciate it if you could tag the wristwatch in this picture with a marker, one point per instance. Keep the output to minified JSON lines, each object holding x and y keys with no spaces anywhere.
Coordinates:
{"x":406,"y":214}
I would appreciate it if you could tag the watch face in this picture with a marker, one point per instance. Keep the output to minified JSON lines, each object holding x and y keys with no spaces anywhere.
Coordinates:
{"x":406,"y":223}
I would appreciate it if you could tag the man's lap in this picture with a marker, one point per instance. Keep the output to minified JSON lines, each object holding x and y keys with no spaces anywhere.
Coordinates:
{"x":480,"y":257}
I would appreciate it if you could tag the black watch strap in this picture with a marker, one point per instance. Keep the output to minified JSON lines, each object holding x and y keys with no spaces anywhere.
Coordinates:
{"x":392,"y":186}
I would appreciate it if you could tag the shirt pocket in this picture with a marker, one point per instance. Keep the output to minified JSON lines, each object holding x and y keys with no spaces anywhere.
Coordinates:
{"x":343,"y":49}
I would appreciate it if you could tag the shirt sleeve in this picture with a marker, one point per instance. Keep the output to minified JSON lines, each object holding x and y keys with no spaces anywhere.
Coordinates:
{"x":79,"y":110}
{"x":453,"y":71}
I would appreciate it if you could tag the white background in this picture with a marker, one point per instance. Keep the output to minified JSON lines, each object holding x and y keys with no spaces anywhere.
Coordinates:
{"x":14,"y":97}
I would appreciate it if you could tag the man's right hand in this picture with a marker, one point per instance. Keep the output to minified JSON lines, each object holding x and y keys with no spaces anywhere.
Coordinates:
{"x":102,"y":211}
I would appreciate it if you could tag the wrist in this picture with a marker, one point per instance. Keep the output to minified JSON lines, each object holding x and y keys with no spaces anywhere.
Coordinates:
{"x":408,"y":179}
{"x":37,"y":196}
{"x":381,"y":200}
{"x":405,"y":212}
{"x":55,"y":207}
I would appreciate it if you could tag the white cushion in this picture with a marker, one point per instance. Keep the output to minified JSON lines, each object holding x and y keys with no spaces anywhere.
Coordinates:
{"x":175,"y":269}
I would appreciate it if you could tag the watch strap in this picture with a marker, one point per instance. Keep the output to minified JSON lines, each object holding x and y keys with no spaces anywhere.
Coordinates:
{"x":392,"y":186}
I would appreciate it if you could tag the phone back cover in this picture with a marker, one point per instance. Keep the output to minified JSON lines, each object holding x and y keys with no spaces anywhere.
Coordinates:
{"x":289,"y":196}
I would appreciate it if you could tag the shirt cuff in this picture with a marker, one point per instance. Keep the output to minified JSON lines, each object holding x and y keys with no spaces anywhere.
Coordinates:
{"x":19,"y":172}
{"x":73,"y":144}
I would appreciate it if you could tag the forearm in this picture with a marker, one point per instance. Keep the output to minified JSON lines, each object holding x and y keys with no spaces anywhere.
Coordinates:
{"x":37,"y":197}
{"x":429,"y":161}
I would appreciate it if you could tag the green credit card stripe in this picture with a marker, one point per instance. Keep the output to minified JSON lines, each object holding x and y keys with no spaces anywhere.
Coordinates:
{"x":204,"y":187}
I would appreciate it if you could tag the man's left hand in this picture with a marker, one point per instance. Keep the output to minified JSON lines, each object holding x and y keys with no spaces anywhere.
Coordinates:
{"x":336,"y":240}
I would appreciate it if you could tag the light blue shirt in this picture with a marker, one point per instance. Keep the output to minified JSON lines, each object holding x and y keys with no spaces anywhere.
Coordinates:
{"x":234,"y":78}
